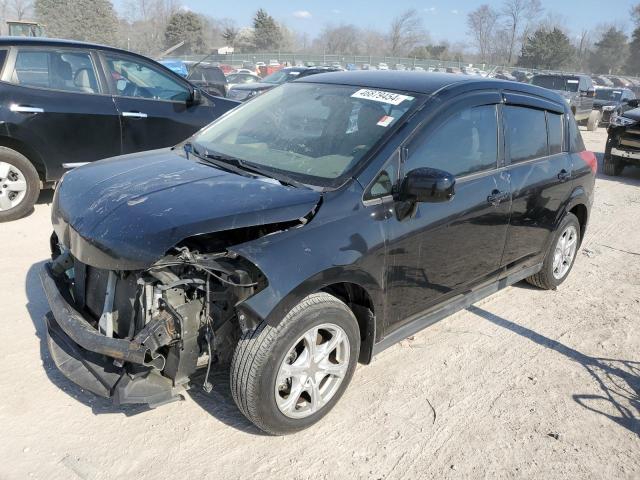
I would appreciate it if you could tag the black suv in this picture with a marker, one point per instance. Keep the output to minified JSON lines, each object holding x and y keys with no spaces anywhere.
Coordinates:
{"x":610,"y":101}
{"x":623,"y":141}
{"x":65,"y":103}
{"x":578,"y":91}
{"x":310,"y":229}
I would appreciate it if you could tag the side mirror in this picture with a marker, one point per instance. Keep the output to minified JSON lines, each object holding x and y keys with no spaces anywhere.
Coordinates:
{"x":427,"y":185}
{"x":590,"y":92}
{"x":196,"y":97}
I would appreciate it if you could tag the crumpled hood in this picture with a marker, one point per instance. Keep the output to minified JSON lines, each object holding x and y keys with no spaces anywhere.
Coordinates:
{"x":127,"y":212}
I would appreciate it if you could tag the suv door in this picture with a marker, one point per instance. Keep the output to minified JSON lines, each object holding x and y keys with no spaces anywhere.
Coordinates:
{"x":540,"y":169}
{"x":57,"y":104}
{"x":440,"y":249}
{"x":154,"y":103}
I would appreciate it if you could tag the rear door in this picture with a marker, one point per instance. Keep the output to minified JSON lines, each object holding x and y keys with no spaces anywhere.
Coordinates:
{"x":58,"y":105}
{"x":541,"y":171}
{"x":154,"y":103}
{"x":441,"y":249}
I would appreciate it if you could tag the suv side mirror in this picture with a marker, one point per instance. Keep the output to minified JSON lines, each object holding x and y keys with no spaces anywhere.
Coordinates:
{"x":589,"y":92}
{"x":196,"y":97}
{"x":427,"y":185}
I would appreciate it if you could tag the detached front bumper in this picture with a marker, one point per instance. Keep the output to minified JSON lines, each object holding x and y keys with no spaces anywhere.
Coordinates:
{"x":96,"y":362}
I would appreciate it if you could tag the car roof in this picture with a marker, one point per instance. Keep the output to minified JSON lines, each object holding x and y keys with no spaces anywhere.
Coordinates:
{"x":425,"y":83}
{"x":52,"y":42}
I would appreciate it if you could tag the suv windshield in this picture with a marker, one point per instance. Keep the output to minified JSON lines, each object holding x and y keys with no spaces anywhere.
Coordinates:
{"x":314,"y":133}
{"x":281,"y":76}
{"x":608,"y":94}
{"x":556,"y":82}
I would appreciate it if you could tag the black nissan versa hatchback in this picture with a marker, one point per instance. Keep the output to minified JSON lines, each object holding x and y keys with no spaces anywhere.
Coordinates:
{"x":307,"y":230}
{"x":63,"y":103}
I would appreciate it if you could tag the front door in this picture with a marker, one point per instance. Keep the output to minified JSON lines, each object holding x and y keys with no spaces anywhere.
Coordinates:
{"x":441,"y":249}
{"x":58,"y":106}
{"x":154,"y":104}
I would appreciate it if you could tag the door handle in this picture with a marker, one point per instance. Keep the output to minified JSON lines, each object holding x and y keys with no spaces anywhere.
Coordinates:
{"x":497,"y":197}
{"x":25,"y":109}
{"x":134,"y":114}
{"x":563,"y":176}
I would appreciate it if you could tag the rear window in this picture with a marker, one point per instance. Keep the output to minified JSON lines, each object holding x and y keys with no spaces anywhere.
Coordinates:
{"x":555,"y":82}
{"x":70,"y":71}
{"x":554,"y":126}
{"x":527,"y":133}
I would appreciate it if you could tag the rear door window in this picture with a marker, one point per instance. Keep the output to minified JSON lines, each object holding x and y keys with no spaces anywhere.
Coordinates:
{"x":464,"y":144}
{"x":526,"y":133}
{"x":555,"y":132}
{"x":58,"y":70}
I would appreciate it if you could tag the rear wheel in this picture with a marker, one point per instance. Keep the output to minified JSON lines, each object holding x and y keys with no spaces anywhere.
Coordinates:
{"x":286,"y":378}
{"x":561,"y":255}
{"x":594,"y":120}
{"x":19,"y":185}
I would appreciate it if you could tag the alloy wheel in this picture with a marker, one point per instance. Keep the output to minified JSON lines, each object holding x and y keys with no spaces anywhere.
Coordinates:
{"x":312,"y":371}
{"x":565,"y":252}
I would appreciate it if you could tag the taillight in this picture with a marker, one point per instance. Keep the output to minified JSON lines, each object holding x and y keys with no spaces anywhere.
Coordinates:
{"x":590,"y":159}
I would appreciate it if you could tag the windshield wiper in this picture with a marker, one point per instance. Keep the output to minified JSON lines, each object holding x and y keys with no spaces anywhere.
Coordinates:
{"x":244,"y":167}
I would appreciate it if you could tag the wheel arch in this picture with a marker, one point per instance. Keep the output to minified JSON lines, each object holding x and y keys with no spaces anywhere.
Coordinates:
{"x":28,"y":152}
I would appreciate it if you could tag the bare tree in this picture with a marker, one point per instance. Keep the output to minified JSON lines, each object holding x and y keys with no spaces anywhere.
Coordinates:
{"x":519,"y":16}
{"x":145,"y":22}
{"x":339,"y":39}
{"x":406,"y":32}
{"x":482,"y":26}
{"x":230,"y":32}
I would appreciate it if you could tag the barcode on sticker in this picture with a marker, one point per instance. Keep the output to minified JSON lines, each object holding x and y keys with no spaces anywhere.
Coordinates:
{"x":381,"y":96}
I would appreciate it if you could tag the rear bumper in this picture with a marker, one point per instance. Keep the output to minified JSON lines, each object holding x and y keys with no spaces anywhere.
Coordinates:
{"x":86,"y":357}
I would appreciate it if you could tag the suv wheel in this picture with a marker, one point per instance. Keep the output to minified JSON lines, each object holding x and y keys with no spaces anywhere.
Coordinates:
{"x":19,"y":185}
{"x":286,"y":378}
{"x":612,"y":166}
{"x":594,"y":120}
{"x":560,"y":256}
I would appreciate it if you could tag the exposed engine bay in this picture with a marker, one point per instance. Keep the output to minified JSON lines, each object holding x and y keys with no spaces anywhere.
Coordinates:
{"x":155,"y":326}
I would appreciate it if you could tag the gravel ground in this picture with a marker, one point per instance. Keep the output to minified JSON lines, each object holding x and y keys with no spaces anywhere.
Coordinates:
{"x":525,"y":384}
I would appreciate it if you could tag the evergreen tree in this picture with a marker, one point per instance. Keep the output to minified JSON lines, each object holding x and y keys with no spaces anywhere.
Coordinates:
{"x":550,"y":49}
{"x":266,"y":32}
{"x":633,"y":63}
{"x":187,"y":27}
{"x":83,"y":20}
{"x":610,"y":52}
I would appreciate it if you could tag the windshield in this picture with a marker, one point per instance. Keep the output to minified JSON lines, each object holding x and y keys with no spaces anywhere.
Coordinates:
{"x":314,"y":133}
{"x":567,"y":84}
{"x":608,"y":94}
{"x":281,"y":76}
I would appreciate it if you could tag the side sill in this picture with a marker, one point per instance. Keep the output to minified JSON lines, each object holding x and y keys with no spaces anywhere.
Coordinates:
{"x":454,"y":305}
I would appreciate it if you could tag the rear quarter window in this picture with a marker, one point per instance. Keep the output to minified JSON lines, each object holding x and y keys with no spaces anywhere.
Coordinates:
{"x":576,"y":143}
{"x":526,"y":133}
{"x":3,"y":58}
{"x":555,"y":132}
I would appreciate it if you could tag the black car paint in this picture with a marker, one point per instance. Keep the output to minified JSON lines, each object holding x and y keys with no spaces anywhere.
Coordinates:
{"x":78,"y":127}
{"x":347,"y":241}
{"x":613,"y":107}
{"x":624,"y":140}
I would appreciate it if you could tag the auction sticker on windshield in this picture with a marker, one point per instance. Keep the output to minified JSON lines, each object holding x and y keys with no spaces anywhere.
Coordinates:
{"x":381,"y":96}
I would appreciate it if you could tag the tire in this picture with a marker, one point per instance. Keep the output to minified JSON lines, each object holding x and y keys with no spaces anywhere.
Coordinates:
{"x":547,"y":278}
{"x":262,"y":353}
{"x":611,"y":166}
{"x":16,"y":171}
{"x":594,"y":120}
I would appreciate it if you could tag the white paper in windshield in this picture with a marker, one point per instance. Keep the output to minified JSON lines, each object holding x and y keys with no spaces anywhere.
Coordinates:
{"x":573,"y":81}
{"x":381,"y":96}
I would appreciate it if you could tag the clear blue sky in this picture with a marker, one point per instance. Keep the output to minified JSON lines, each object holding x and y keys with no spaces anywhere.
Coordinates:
{"x":444,"y":19}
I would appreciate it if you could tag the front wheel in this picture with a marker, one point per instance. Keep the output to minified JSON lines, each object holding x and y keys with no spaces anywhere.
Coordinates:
{"x":286,"y":378}
{"x":561,"y":255}
{"x":19,"y":185}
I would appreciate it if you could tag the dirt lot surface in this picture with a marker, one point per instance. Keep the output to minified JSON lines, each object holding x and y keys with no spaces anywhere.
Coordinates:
{"x":525,"y":384}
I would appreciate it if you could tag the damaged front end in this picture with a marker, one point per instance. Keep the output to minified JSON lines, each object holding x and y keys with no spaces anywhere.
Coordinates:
{"x":138,"y":335}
